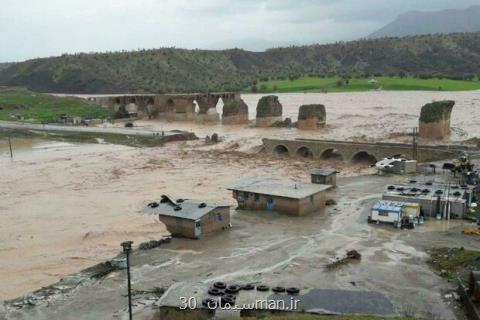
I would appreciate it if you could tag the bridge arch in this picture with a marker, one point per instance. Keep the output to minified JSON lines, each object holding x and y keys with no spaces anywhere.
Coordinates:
{"x":304,"y":152}
{"x":170,"y":105}
{"x":281,"y":150}
{"x":364,"y":157}
{"x":331,"y":154}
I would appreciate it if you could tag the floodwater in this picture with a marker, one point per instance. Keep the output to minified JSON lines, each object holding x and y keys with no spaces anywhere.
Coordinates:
{"x":67,"y":206}
{"x":358,"y":116}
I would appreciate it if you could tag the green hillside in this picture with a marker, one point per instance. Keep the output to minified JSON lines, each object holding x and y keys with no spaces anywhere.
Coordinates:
{"x":18,"y":104}
{"x":338,"y":84}
{"x":454,"y":56}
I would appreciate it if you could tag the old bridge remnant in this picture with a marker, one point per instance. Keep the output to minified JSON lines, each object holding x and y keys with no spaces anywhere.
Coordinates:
{"x":357,"y":151}
{"x":311,"y":116}
{"x":434,"y":122}
{"x":269,"y":111}
{"x":177,"y":107}
{"x":235,"y":112}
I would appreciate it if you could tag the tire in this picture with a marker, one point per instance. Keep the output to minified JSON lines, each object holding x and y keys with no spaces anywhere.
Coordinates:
{"x":215,"y":291}
{"x":226,"y":300}
{"x":233,"y":289}
{"x":229,"y":296}
{"x":278,"y":289}
{"x":293,"y":290}
{"x":220,"y":285}
{"x":248,"y":287}
{"x":263,"y":288}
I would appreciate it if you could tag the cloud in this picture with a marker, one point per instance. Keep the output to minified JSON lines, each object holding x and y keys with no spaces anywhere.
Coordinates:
{"x":36,"y":28}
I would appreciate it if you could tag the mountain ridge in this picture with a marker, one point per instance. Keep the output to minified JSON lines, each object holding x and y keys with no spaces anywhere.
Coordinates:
{"x":431,"y":22}
{"x":183,"y":70}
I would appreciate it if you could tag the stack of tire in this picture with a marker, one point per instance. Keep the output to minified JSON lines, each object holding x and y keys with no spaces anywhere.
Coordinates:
{"x":224,"y":295}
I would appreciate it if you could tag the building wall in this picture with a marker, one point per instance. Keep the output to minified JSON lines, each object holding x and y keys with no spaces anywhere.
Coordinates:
{"x":385,"y":216}
{"x":330,"y":180}
{"x":255,"y":201}
{"x":210,"y":222}
{"x":429,"y":207}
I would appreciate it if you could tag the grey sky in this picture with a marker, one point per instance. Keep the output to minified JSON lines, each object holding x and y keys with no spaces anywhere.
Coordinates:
{"x":38,"y":28}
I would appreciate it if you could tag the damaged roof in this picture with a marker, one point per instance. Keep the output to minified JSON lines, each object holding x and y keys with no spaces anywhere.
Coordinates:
{"x":277,"y":187}
{"x":184,"y":209}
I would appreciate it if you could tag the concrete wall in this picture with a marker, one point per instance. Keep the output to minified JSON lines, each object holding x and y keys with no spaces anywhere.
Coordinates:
{"x":186,"y":228}
{"x":348,"y":150}
{"x":252,"y":201}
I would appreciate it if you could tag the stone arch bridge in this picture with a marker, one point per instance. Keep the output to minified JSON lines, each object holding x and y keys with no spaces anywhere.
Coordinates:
{"x":168,"y":106}
{"x":358,"y":151}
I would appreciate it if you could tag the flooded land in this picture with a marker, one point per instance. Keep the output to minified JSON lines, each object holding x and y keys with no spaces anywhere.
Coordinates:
{"x":67,"y":206}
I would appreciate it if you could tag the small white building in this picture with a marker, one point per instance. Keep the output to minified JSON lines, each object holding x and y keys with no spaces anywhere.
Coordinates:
{"x":393,"y":212}
{"x":396,"y":165}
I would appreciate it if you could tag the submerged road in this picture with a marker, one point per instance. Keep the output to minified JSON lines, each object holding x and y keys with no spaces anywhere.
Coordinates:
{"x":78,"y":129}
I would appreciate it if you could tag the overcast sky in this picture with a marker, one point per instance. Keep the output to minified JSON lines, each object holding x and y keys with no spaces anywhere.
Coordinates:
{"x":39,"y":28}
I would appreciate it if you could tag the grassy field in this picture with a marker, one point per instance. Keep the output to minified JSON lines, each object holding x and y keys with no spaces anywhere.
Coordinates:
{"x":455,"y":261}
{"x":16,"y":103}
{"x":335,"y":84}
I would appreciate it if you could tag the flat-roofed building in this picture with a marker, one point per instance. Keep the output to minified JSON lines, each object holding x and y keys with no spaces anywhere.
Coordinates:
{"x":446,"y":200}
{"x":190,"y":218}
{"x":284,"y":196}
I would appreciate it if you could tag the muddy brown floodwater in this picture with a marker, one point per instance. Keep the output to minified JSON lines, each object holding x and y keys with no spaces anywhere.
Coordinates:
{"x":67,"y":206}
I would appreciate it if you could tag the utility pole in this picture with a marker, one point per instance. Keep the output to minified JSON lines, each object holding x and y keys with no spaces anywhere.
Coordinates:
{"x":127,"y":248}
{"x":10,"y":145}
{"x":414,"y":144}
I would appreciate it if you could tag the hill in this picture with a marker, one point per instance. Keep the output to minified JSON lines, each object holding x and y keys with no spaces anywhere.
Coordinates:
{"x":180,"y":70}
{"x":419,"y":22}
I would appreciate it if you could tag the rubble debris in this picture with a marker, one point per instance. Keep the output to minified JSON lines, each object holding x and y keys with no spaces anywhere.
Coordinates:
{"x":154,"y":243}
{"x":330,"y":202}
{"x":287,"y":123}
{"x":472,"y":230}
{"x":351,"y":255}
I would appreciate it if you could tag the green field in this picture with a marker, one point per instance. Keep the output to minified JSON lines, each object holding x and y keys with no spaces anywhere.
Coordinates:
{"x":335,"y":84}
{"x":17,"y":104}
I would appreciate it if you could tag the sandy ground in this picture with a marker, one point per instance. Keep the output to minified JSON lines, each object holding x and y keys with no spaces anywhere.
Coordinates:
{"x":65,"y":207}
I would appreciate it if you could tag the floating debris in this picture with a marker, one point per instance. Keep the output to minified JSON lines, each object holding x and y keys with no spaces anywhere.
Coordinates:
{"x":350,"y":256}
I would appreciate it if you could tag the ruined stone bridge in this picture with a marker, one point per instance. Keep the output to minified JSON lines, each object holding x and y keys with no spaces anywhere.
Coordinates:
{"x":166,"y":106}
{"x":358,"y":151}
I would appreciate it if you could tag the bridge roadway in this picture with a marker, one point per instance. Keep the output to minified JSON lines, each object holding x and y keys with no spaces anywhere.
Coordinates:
{"x":361,"y":151}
